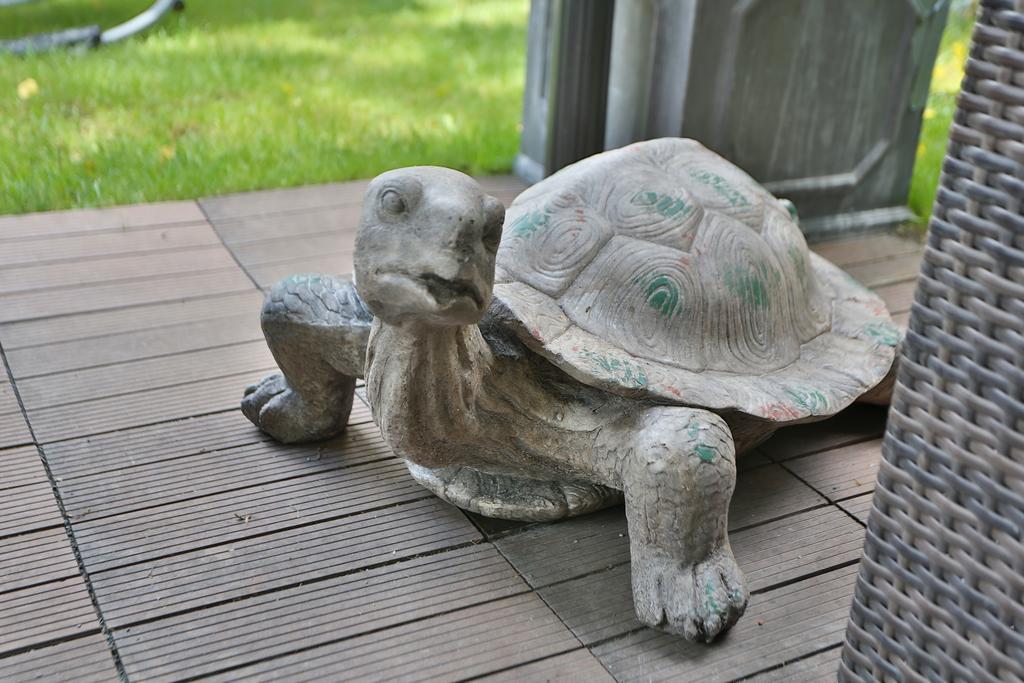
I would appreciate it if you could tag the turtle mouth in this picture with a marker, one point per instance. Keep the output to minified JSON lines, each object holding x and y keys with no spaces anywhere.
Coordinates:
{"x":446,"y":292}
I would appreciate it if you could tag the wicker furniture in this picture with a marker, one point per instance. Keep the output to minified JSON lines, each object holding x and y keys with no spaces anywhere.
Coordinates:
{"x":941,"y":589}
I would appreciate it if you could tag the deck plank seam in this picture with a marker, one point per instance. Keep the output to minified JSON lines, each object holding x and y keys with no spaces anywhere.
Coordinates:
{"x":127,"y":280}
{"x":789,"y":662}
{"x":818,"y":451}
{"x":197,"y":297}
{"x":171,"y":385}
{"x":100,"y":474}
{"x":102,"y":231}
{"x":823,"y":494}
{"x":85,"y":258}
{"x":158,"y":356}
{"x":72,"y":541}
{"x":304,"y":581}
{"x":106,"y":432}
{"x":213,"y":226}
{"x":520,"y":665}
{"x":370,"y":632}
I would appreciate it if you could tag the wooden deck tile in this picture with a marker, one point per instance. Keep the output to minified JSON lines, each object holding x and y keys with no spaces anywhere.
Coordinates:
{"x":154,"y":444}
{"x":141,"y":408}
{"x":77,"y":221}
{"x":288,"y":558}
{"x":32,"y":509}
{"x":275,"y":251}
{"x":26,"y":498}
{"x":458,"y":645}
{"x":20,"y":467}
{"x":819,"y":668}
{"x":859,"y":507}
{"x":34,"y":558}
{"x":106,"y":326}
{"x":126,"y":269}
{"x":229,"y":517}
{"x":867,"y":248}
{"x":766,"y":493}
{"x":45,"y":613}
{"x":886,"y":271}
{"x":578,"y":666}
{"x":599,"y":606}
{"x":43,"y":304}
{"x":549,"y":553}
{"x":14,"y":430}
{"x":857,"y":423}
{"x":131,"y":346}
{"x":295,"y":226}
{"x":82,"y":660}
{"x":154,"y":373}
{"x":779,"y":626}
{"x":842,"y":472}
{"x":35,"y":252}
{"x":198,"y":474}
{"x":899,"y":296}
{"x":266,"y":626}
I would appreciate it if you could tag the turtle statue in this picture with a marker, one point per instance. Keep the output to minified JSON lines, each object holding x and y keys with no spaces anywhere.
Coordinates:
{"x":631,"y":323}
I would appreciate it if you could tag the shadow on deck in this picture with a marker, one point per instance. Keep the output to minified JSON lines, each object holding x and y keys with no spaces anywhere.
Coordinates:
{"x":161,"y":537}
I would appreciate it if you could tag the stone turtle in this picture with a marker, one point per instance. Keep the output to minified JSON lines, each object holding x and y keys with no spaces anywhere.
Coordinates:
{"x":632,"y":323}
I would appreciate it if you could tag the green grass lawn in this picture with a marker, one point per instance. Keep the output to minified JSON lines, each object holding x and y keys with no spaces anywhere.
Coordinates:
{"x":949,"y":70}
{"x":232,"y":95}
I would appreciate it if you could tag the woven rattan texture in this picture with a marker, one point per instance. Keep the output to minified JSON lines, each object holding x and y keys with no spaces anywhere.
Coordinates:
{"x":940,"y":595}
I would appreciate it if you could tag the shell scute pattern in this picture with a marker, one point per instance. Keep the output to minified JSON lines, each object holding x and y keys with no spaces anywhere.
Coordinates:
{"x":642,"y":297}
{"x":662,"y":270}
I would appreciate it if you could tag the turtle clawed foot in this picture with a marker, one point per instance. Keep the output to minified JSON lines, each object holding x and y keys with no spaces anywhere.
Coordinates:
{"x":277,"y":409}
{"x":698,"y":601}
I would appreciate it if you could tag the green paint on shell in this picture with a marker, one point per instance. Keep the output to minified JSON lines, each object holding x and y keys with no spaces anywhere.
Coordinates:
{"x":809,"y":399}
{"x":750,"y":284}
{"x":705,"y":453}
{"x":799,"y":262}
{"x":619,"y":370}
{"x":528,"y":224}
{"x":883,"y":333}
{"x":666,"y":205}
{"x":662,"y":294}
{"x":721,"y":186}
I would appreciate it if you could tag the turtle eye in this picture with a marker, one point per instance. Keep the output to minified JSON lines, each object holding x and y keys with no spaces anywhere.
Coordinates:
{"x":392,"y":202}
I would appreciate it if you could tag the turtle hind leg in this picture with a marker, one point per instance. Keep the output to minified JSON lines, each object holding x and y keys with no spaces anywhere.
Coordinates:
{"x":513,"y":496}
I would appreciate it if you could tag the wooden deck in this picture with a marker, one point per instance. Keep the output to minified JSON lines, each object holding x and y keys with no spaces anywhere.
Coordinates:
{"x":149,"y":532}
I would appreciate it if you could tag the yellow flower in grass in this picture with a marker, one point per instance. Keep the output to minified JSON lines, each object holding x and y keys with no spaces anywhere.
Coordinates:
{"x":28,"y":88}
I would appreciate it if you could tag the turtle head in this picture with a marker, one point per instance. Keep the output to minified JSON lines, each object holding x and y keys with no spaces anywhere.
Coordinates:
{"x":426,"y":246}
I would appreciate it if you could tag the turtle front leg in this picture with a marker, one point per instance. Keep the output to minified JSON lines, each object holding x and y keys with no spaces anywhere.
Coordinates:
{"x":678,"y":480}
{"x":317,"y":329}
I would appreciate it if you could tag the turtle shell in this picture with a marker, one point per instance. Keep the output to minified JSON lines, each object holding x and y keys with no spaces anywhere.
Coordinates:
{"x":660,"y":270}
